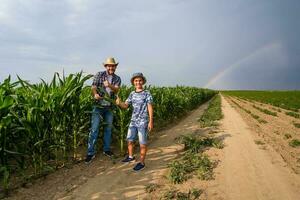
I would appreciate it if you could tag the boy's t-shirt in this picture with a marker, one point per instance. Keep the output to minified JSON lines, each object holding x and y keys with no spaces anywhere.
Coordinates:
{"x":139,"y":102}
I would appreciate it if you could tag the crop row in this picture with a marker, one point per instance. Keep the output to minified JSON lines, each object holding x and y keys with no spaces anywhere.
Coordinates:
{"x":285,"y":99}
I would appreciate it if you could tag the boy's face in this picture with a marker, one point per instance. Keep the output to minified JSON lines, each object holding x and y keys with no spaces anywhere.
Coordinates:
{"x":110,"y":68}
{"x":138,"y":82}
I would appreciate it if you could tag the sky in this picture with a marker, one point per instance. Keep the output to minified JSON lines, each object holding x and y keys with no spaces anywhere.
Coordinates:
{"x":218,"y":44}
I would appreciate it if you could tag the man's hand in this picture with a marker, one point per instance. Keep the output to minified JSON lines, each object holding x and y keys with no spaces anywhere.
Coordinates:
{"x":97,"y":97}
{"x":106,"y":84}
{"x":118,"y":100}
{"x":150,"y":126}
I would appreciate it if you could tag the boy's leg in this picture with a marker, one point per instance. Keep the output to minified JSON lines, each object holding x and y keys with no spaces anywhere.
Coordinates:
{"x":108,"y":120}
{"x":93,"y":135}
{"x":142,"y":132}
{"x":143,"y":151}
{"x":131,"y":135}
{"x":130,"y":149}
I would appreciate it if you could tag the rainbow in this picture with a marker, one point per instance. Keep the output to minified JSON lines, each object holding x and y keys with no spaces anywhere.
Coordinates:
{"x":239,"y":63}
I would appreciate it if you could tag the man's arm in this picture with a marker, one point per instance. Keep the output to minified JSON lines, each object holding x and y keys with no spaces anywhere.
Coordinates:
{"x":95,"y":93}
{"x":150,"y":112}
{"x":114,"y":88}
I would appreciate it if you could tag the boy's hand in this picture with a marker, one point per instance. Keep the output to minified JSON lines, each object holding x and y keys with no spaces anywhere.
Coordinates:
{"x":150,"y":126}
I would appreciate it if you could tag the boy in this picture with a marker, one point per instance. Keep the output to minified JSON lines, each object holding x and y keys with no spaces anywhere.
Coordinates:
{"x":141,"y":119}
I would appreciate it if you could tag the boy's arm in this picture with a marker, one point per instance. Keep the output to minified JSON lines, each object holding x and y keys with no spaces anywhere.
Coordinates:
{"x":150,"y":111}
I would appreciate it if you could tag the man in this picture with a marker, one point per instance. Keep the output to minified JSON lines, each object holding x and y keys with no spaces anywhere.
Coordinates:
{"x":105,"y":84}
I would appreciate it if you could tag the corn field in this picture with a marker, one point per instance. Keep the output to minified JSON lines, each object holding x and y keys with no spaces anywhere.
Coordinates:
{"x":43,"y":125}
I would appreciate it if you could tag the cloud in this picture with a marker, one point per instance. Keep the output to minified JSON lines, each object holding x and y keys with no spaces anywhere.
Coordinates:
{"x":172,"y":42}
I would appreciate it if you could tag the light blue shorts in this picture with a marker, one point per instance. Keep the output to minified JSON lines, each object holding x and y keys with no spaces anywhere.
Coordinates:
{"x":141,"y":132}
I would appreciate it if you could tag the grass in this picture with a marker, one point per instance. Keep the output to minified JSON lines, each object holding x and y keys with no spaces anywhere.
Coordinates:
{"x":173,"y":193}
{"x":212,"y":113}
{"x":293,"y":114}
{"x":151,"y":187}
{"x":258,"y":142}
{"x":193,"y":163}
{"x":197,"y":144}
{"x":294,"y":143}
{"x":287,"y":136}
{"x":178,"y":172}
{"x":170,"y":194}
{"x":297,"y":125}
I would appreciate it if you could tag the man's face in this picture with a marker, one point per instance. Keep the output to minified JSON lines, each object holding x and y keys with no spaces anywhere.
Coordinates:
{"x":138,"y":82}
{"x":110,"y":68}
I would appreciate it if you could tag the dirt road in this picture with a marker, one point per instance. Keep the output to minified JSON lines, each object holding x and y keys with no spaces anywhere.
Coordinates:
{"x":248,"y":172}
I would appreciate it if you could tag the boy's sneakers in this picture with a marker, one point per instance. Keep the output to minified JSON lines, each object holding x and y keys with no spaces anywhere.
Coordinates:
{"x":128,"y":159}
{"x":139,"y":167}
{"x":108,"y":154}
{"x":89,"y":158}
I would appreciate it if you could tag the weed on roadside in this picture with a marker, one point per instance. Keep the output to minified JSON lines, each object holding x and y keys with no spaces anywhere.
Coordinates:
{"x":258,"y":142}
{"x":197,"y":144}
{"x":169,"y":194}
{"x":212,"y":113}
{"x":190,"y":164}
{"x":192,"y":194}
{"x":297,"y":125}
{"x":294,"y":143}
{"x":178,"y":172}
{"x":287,"y":136}
{"x":151,"y":187}
{"x":277,"y":132}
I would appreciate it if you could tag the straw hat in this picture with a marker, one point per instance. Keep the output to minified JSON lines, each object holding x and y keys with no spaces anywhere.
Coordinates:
{"x":110,"y":61}
{"x":135,"y":75}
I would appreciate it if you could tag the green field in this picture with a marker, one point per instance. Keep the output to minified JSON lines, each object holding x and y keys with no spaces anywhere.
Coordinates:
{"x":289,"y":100}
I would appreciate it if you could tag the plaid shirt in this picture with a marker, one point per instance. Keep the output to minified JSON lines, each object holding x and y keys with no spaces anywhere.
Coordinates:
{"x":99,"y":78}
